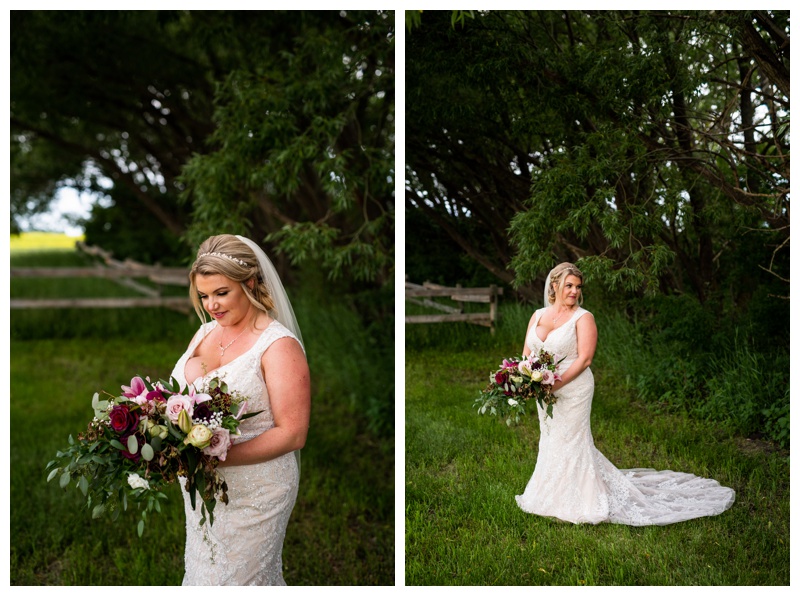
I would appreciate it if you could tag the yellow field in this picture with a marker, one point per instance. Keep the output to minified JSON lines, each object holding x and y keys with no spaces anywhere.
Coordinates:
{"x":43,"y":240}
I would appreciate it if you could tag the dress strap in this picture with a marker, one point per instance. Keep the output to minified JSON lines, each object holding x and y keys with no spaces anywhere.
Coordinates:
{"x":578,"y":314}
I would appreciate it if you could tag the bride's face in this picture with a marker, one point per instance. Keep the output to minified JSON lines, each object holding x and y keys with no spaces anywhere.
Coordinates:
{"x":223,"y":298}
{"x":571,"y":292}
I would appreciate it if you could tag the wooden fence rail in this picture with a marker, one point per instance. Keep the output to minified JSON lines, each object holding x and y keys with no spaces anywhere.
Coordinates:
{"x":422,"y":294}
{"x":121,"y":272}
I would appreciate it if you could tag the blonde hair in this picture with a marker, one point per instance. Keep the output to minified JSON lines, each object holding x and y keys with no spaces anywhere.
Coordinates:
{"x":558,"y":276}
{"x":227,"y":255}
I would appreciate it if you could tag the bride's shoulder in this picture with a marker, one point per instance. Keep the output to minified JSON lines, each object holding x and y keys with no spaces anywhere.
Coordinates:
{"x":534,"y":316}
{"x":202,"y":331}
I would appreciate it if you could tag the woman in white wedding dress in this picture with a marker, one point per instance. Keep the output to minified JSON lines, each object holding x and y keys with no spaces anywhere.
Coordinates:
{"x":253,"y":344}
{"x":572,"y":480}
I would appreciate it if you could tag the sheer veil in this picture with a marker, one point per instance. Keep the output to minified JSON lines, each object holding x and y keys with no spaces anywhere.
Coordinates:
{"x":546,"y":288}
{"x":283,"y":311}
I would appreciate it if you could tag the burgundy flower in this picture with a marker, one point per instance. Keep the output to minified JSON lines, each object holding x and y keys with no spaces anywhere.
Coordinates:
{"x":123,"y":420}
{"x":500,"y":378}
{"x":155,"y":394}
{"x":202,"y":412}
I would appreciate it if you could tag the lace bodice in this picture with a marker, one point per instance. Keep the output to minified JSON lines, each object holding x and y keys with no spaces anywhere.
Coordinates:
{"x":574,"y":482}
{"x":242,"y":374}
{"x":244,"y":545}
{"x":562,"y":341}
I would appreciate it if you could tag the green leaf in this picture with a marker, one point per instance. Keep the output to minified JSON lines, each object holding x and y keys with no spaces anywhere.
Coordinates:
{"x":83,"y":484}
{"x":64,"y":481}
{"x":140,"y":528}
{"x":133,"y":445}
{"x":147,"y":451}
{"x":117,"y":444}
{"x":98,"y":511}
{"x":52,"y":474}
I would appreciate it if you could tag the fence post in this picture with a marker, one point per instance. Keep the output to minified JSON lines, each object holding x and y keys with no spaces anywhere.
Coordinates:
{"x":493,"y":308}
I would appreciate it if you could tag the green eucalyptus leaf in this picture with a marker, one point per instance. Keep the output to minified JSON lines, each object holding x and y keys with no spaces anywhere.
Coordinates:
{"x":140,"y":528}
{"x":53,"y":473}
{"x":147,"y":451}
{"x":83,"y":484}
{"x":133,"y":445}
{"x":64,"y":480}
{"x":98,"y":511}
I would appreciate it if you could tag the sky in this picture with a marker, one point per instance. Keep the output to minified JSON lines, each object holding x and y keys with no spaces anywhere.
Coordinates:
{"x":67,"y":204}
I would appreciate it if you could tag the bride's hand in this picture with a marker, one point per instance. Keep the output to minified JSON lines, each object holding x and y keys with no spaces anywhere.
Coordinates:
{"x":557,"y":385}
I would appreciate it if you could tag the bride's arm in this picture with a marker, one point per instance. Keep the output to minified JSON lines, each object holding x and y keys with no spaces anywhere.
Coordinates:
{"x":289,"y":388}
{"x":586,"y":331}
{"x":525,"y":349}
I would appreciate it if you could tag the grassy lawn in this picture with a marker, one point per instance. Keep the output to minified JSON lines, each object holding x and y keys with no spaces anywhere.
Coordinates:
{"x":463,"y":526}
{"x":342,"y":528}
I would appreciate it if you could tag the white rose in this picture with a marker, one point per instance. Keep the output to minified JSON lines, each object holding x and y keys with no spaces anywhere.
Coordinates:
{"x":512,"y":402}
{"x":536,"y":376}
{"x":137,"y":481}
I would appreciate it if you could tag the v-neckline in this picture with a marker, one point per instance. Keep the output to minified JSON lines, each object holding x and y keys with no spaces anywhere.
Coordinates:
{"x":554,"y":329}
{"x":221,"y":366}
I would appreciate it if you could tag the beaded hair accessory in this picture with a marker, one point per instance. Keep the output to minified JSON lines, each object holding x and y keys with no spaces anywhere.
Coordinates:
{"x":219,"y":254}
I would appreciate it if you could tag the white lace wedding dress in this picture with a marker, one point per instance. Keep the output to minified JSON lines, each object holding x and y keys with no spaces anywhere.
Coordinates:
{"x":244,"y":545}
{"x":574,"y":482}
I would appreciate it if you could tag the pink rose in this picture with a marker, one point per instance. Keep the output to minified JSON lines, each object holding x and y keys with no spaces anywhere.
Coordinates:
{"x":176,"y":404}
{"x":548,"y":378}
{"x":220,"y":443}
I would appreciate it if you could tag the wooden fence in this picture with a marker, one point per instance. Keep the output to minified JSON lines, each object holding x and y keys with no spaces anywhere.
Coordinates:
{"x":121,"y":272}
{"x":422,"y":294}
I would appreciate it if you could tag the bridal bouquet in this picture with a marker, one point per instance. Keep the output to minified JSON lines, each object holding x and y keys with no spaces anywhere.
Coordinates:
{"x":143,"y":440}
{"x":516,"y":382}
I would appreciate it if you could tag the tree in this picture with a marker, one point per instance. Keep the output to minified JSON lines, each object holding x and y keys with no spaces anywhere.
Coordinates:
{"x":652,"y":147}
{"x":304,"y":146}
{"x":275,"y":124}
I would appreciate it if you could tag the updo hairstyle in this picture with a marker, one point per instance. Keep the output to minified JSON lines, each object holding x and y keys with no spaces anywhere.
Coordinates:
{"x":227,"y":255}
{"x":558,"y":277}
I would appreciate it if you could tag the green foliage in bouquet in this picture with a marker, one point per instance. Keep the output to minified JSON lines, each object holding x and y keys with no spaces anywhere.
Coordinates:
{"x":516,"y":382}
{"x":144,"y":440}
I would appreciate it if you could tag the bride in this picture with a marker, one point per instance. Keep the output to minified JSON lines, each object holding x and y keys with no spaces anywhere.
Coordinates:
{"x":572,"y":480}
{"x":253,"y":343}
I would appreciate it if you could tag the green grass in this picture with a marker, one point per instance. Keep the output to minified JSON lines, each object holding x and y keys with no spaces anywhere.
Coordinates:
{"x":342,"y":528}
{"x":463,"y":526}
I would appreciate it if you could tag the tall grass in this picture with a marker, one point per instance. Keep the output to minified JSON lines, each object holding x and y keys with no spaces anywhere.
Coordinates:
{"x":463,"y":526}
{"x":730,"y":381}
{"x":341,"y":531}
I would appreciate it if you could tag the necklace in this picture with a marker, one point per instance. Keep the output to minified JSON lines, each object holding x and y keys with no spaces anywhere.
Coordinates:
{"x":555,"y":320}
{"x":222,"y":349}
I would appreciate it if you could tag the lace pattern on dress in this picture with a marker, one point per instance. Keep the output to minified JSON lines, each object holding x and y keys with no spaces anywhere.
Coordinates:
{"x":244,"y":546}
{"x":574,"y":482}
